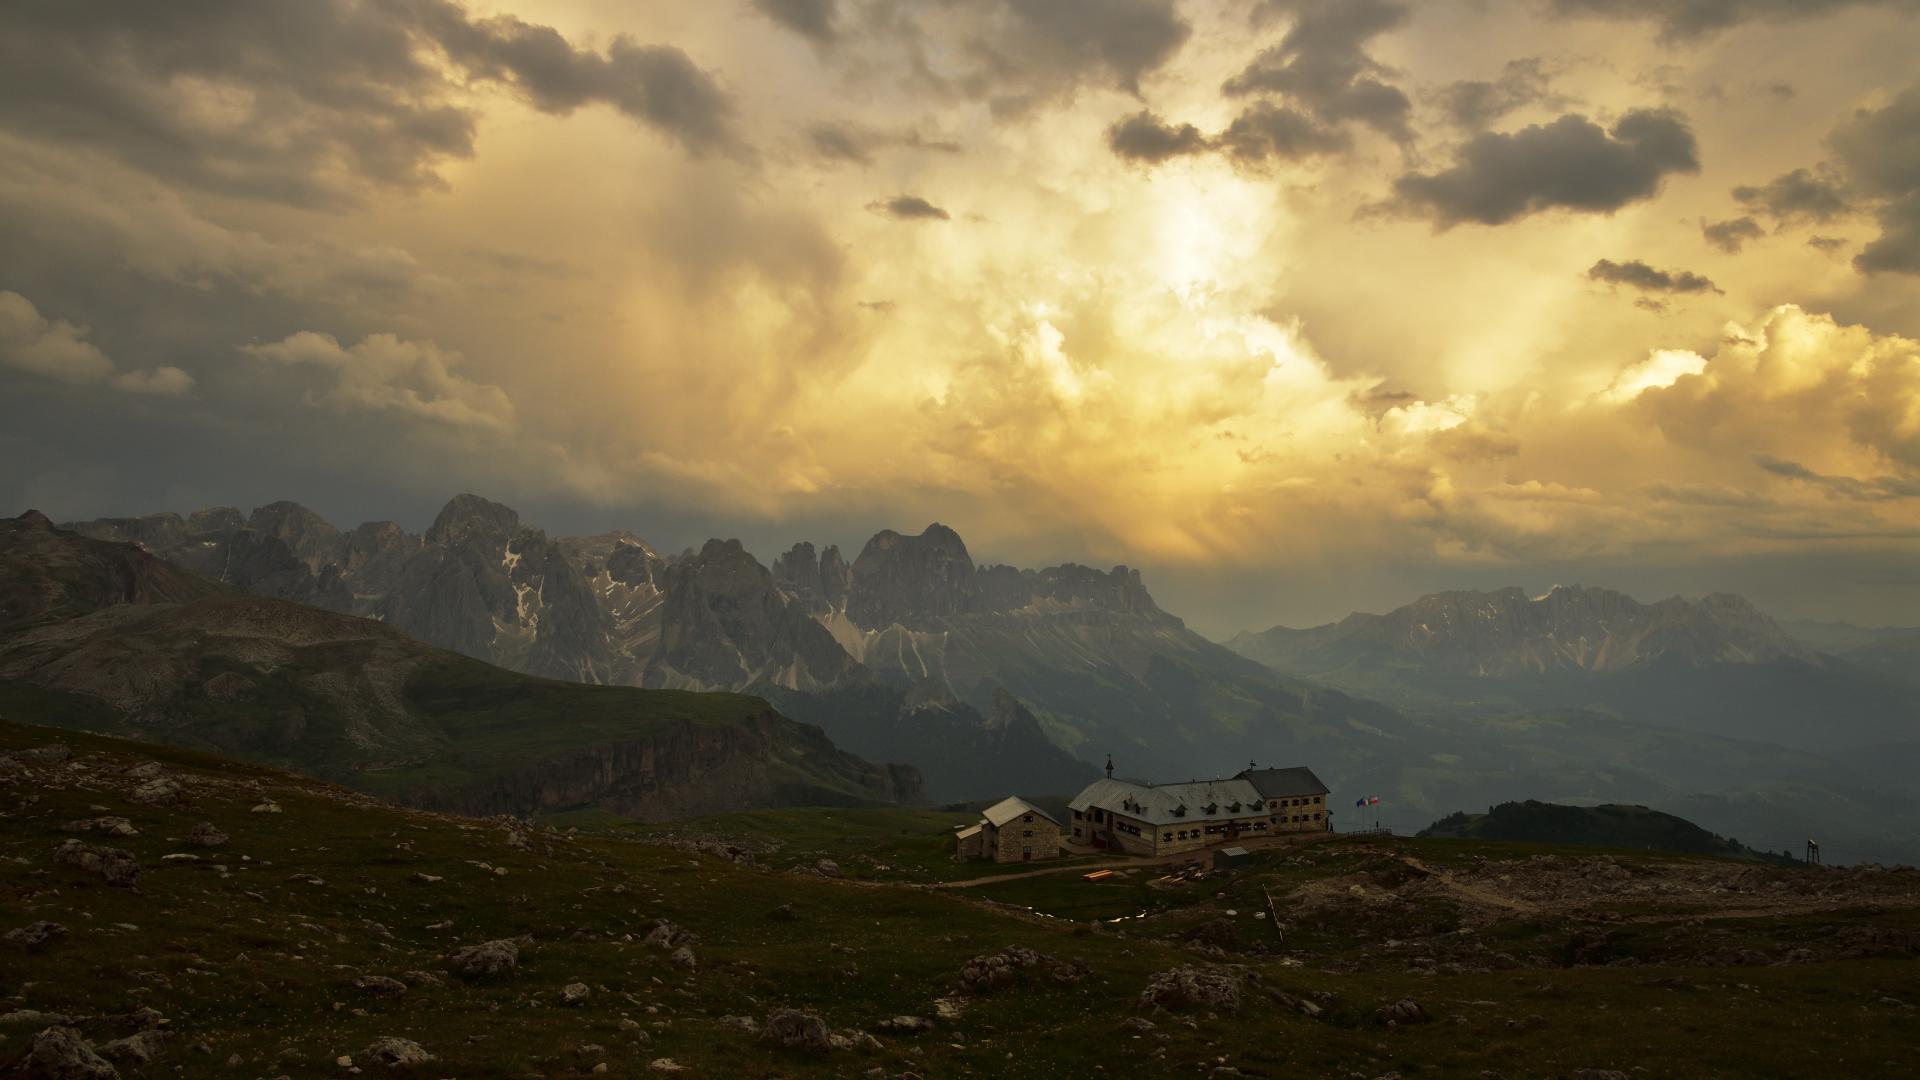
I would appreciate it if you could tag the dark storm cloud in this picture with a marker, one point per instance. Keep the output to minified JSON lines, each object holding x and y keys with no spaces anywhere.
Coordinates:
{"x":1879,"y":150}
{"x":815,"y":20}
{"x":1125,"y":38}
{"x":1570,"y":164}
{"x":909,"y":208}
{"x":1731,"y":236}
{"x":857,"y":145}
{"x":1267,"y":132}
{"x":1262,"y":133}
{"x":1796,"y":196}
{"x":1145,"y":137}
{"x":1638,"y":275}
{"x":1827,"y":245}
{"x":1692,"y":18}
{"x":301,"y":100}
{"x":1878,"y":489}
{"x":1476,"y":104}
{"x":1322,"y":64}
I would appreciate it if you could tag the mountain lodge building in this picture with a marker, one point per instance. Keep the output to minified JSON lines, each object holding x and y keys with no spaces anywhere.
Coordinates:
{"x":1163,"y":819}
{"x":1011,"y":830}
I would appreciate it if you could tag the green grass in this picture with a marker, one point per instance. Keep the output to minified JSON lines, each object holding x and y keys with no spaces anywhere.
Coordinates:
{"x":256,"y":965}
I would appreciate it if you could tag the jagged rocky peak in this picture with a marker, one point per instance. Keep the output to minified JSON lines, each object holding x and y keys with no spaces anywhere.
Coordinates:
{"x":216,"y":519}
{"x":836,"y":576}
{"x":470,"y":516}
{"x":912,"y":580}
{"x":1119,"y":589}
{"x":308,"y":535}
{"x":929,"y":692}
{"x":635,"y":564}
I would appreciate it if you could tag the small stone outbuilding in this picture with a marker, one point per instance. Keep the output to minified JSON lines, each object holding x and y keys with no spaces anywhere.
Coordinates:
{"x":1011,"y":830}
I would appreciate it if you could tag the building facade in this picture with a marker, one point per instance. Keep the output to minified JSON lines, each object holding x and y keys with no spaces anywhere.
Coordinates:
{"x":1011,"y":830}
{"x":1164,"y":819}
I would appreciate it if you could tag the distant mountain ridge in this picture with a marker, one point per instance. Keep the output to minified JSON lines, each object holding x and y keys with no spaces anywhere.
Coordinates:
{"x":1716,"y":665}
{"x":1507,"y":632}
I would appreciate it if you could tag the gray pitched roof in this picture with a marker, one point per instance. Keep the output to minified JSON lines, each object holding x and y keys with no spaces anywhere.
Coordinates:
{"x":1169,"y":804}
{"x":1010,"y":808}
{"x":1283,"y":783}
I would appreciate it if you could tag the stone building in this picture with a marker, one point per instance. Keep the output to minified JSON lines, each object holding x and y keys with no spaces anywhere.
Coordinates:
{"x":1162,"y":819}
{"x":1011,"y":830}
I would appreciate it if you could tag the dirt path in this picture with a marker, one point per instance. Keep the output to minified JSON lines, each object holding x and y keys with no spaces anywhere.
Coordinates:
{"x":1471,"y":893}
{"x":1181,"y":859}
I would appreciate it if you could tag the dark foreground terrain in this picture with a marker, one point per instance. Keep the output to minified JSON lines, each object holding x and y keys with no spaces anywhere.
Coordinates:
{"x":167,"y":913}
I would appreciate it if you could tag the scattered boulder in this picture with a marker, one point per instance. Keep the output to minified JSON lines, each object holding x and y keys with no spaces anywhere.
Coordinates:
{"x":666,"y":1065}
{"x":1185,"y":988}
{"x":206,"y":835}
{"x":683,"y":958}
{"x":268,"y":807}
{"x":783,"y":913}
{"x":906,"y":1025}
{"x":791,"y":1029}
{"x":575,"y":993}
{"x":146,"y":770}
{"x":59,"y":1053}
{"x":33,"y":935}
{"x":667,"y":935}
{"x":117,"y":826}
{"x":396,"y":1053}
{"x":160,"y":792}
{"x":379,"y":986}
{"x":1404,"y":1011}
{"x":56,"y":754}
{"x":141,"y":1048}
{"x":827,"y":868}
{"x":115,"y":865}
{"x":1137,"y":1023}
{"x":984,"y":974}
{"x":487,"y":960}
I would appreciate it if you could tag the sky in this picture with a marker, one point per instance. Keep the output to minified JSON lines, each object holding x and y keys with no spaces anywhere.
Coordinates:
{"x":1300,"y":306}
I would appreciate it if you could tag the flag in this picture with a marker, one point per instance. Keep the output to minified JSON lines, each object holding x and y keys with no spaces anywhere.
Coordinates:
{"x":1373,"y":800}
{"x":1359,"y":802}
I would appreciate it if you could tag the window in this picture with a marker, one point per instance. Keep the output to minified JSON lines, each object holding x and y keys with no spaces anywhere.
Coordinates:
{"x":1316,"y":817}
{"x":1026,"y":832}
{"x":1027,"y":819}
{"x":1166,"y":836}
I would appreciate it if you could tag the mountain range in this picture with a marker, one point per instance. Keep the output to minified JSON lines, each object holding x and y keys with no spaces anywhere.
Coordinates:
{"x":107,"y":637}
{"x":992,"y":679}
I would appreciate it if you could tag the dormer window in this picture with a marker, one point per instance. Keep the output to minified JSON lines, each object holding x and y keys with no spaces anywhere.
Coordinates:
{"x":1212,"y":808}
{"x":1180,"y":811}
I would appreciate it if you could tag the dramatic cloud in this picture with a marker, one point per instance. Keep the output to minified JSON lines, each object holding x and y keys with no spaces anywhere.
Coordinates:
{"x":1638,"y":275}
{"x":1570,"y":164}
{"x":1732,"y":236}
{"x":1477,"y":104}
{"x":1145,"y":137}
{"x":1879,"y":149}
{"x":1271,"y":132}
{"x":1691,"y":18}
{"x":1322,"y":64}
{"x":60,"y":351}
{"x":857,"y":145}
{"x":1795,"y":197}
{"x":1263,"y":133}
{"x":303,"y":100}
{"x":385,"y":374}
{"x":815,"y":20}
{"x":909,"y":208}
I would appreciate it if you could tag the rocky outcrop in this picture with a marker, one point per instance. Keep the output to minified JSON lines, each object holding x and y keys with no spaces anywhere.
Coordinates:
{"x":912,"y":580}
{"x":725,"y":624}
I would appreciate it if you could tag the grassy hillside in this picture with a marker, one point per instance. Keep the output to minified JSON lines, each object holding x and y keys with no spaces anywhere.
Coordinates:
{"x":1632,"y":828}
{"x":259,"y":952}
